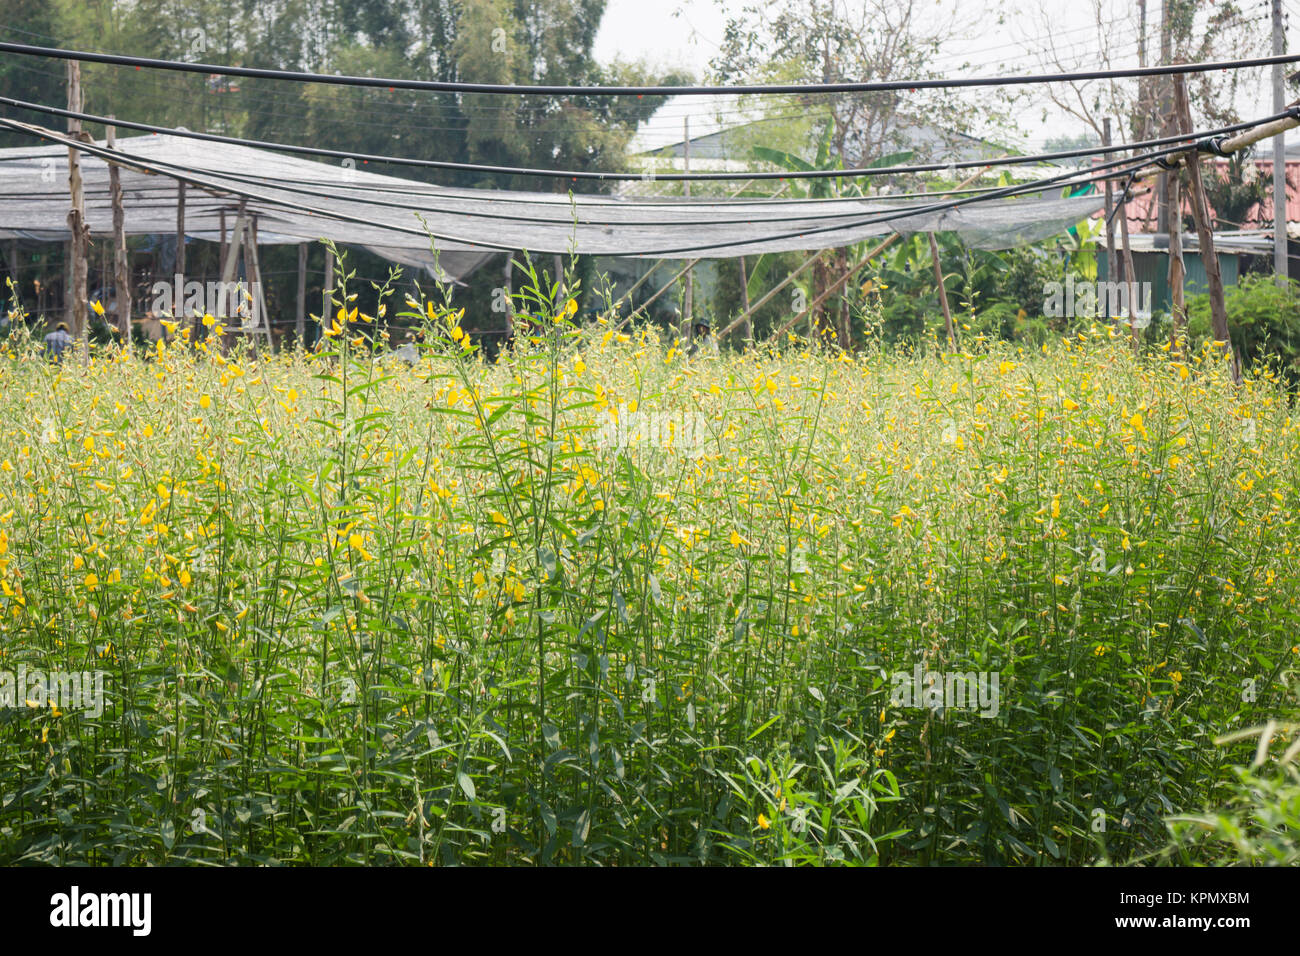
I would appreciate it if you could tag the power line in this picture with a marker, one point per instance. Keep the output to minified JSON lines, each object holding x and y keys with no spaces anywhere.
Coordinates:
{"x":451,"y":86}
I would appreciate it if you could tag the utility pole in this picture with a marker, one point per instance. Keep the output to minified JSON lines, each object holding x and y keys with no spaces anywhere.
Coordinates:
{"x":1280,"y":267}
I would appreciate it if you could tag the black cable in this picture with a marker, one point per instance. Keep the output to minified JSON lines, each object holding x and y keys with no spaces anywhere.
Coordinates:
{"x":449,"y":86}
{"x":632,"y":177}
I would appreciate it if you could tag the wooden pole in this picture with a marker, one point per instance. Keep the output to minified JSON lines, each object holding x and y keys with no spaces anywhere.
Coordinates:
{"x":1281,"y":268}
{"x":1112,"y":260}
{"x":121,"y":255}
{"x":300,"y":319}
{"x":180,"y":234}
{"x":1205,"y":238}
{"x":1177,"y":268}
{"x":510,"y":293}
{"x":326,"y":307}
{"x":77,"y":213}
{"x":744,"y":301}
{"x":687,"y":331}
{"x":943,"y":293}
{"x":261,"y":319}
{"x":1130,"y":278}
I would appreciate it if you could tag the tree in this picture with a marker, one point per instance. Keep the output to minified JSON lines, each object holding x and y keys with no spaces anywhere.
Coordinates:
{"x":1188,"y":31}
{"x":825,"y":41}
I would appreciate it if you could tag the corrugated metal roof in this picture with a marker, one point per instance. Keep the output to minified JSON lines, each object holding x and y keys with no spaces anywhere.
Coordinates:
{"x":1142,"y":209}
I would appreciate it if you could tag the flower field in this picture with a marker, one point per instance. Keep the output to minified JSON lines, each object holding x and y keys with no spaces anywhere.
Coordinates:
{"x":352,"y":610}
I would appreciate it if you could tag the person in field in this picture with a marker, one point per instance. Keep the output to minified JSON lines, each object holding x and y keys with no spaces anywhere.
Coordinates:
{"x":58,"y":342}
{"x":702,"y":336}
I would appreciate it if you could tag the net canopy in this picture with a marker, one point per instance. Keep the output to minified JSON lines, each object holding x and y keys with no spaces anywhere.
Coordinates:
{"x":455,"y":230}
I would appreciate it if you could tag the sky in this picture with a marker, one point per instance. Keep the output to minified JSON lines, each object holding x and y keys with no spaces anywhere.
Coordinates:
{"x":687,"y":33}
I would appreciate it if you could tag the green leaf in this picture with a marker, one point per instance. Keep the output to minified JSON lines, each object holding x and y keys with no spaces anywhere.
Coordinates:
{"x":466,"y":784}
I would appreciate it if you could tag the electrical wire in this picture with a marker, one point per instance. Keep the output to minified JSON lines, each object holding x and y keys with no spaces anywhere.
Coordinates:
{"x":452,"y":86}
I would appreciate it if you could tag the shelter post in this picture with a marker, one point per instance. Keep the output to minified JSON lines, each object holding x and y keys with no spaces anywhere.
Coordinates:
{"x":1205,"y":238}
{"x":1112,"y":263}
{"x":300,"y":319}
{"x":77,"y":214}
{"x":121,"y":255}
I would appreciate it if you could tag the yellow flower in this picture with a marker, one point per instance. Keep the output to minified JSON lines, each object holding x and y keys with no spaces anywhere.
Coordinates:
{"x":1069,"y":405}
{"x":763,"y":823}
{"x":205,"y":401}
{"x":92,"y":581}
{"x":99,"y":309}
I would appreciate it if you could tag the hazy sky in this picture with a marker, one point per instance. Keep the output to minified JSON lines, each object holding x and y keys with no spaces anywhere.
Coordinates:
{"x":686,"y":33}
